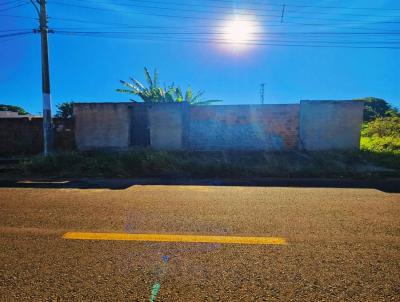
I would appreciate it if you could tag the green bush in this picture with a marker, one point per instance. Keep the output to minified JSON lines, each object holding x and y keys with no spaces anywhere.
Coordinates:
{"x":381,"y":135}
{"x":381,"y":144}
{"x":382,"y":127}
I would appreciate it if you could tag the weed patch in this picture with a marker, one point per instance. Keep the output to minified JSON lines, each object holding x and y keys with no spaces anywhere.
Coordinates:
{"x":188,"y":164}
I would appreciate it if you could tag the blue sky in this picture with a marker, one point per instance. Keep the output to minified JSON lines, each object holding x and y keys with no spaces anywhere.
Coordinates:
{"x":87,"y":68}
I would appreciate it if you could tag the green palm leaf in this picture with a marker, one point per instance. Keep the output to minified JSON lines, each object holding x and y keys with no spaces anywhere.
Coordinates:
{"x":155,"y":78}
{"x":207,"y":102}
{"x":197,"y":97}
{"x":125,"y":91}
{"x":148,"y":78}
{"x":178,"y":95}
{"x":188,"y":95}
{"x":137,"y":83}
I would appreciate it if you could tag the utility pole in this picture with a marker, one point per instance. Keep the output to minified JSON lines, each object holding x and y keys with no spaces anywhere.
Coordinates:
{"x":47,"y":122}
{"x":283,"y":12}
{"x":262,"y":90}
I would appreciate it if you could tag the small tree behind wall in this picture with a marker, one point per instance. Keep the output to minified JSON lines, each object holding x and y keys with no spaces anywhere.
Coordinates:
{"x":12,"y":108}
{"x":65,"y":110}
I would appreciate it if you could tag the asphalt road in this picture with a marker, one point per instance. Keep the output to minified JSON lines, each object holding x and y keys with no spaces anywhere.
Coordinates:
{"x":343,"y":244}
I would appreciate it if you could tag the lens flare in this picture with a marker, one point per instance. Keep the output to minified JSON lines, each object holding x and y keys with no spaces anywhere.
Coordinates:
{"x":239,"y":33}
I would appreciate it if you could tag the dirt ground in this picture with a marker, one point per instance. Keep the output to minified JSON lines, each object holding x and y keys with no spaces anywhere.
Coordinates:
{"x":343,"y":244}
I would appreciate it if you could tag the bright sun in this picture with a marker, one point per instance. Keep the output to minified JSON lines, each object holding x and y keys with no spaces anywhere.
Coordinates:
{"x":239,"y":32}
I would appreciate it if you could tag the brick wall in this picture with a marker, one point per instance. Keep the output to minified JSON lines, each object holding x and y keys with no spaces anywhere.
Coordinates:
{"x":324,"y":125}
{"x":24,"y":136}
{"x":244,"y":127}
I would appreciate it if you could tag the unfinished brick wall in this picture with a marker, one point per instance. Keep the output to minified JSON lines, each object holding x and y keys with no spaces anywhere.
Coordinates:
{"x":24,"y":136}
{"x":324,"y":125}
{"x":20,"y":136}
{"x":244,"y":127}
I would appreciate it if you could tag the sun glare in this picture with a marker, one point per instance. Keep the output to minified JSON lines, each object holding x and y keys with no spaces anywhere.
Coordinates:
{"x":239,"y":33}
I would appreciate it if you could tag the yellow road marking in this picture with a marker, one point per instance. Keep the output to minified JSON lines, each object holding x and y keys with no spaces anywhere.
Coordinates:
{"x":42,"y":182}
{"x":175,"y":238}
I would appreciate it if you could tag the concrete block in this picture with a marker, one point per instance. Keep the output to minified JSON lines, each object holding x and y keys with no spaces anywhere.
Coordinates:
{"x":166,"y":124}
{"x":330,"y":125}
{"x":102,"y":125}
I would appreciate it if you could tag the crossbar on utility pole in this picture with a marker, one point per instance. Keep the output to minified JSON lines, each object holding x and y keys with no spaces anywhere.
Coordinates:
{"x":262,"y":90}
{"x":47,"y":122}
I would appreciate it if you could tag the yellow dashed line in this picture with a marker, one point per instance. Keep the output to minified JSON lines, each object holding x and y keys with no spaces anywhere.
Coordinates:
{"x":175,"y":238}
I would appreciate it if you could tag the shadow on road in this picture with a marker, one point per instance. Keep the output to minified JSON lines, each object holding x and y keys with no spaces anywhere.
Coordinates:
{"x":388,"y":185}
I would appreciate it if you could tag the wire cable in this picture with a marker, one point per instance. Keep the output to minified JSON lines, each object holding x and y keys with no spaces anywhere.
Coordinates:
{"x":13,"y":7}
{"x":15,"y":16}
{"x":235,"y":8}
{"x":16,"y":34}
{"x":207,"y":18}
{"x":312,"y":6}
{"x":253,"y":43}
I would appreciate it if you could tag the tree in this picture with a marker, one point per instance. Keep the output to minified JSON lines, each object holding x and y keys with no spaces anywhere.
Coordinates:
{"x":19,"y":110}
{"x":65,"y":110}
{"x":156,"y":94}
{"x":377,"y":108}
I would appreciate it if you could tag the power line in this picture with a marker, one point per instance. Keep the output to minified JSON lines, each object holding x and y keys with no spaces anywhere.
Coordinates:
{"x":160,"y":39}
{"x":256,"y":5}
{"x":219,"y":38}
{"x":312,"y":6}
{"x":286,"y":24}
{"x":262,"y":33}
{"x":237,"y":9}
{"x":205,"y":18}
{"x":10,"y":2}
{"x":16,"y":29}
{"x":299,"y":35}
{"x":216,"y":26}
{"x":195,"y":17}
{"x":22,"y":17}
{"x":151,"y":7}
{"x":13,"y":7}
{"x":16,"y":34}
{"x":5,"y":40}
{"x":270,"y":23}
{"x":203,"y":11}
{"x":199,"y":33}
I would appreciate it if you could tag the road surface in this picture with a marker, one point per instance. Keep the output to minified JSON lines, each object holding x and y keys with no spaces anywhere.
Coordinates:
{"x":339,"y":244}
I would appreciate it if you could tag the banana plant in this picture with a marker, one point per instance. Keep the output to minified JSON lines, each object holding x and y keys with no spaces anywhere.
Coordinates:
{"x":191,"y":98}
{"x":151,"y":94}
{"x":155,"y":94}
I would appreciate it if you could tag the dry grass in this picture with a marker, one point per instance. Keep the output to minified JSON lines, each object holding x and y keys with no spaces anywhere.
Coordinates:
{"x":150,"y":163}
